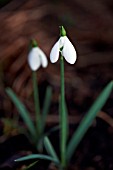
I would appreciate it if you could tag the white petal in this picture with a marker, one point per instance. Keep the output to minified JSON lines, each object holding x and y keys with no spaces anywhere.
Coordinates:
{"x":61,"y":41}
{"x":43,"y":58}
{"x":54,"y":54}
{"x":34,"y":59}
{"x":69,"y":52}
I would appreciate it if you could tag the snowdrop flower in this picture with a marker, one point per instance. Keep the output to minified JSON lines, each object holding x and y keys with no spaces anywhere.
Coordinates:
{"x":65,"y":47}
{"x":36,"y":57}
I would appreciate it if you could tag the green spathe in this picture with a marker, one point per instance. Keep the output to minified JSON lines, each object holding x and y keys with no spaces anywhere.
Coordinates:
{"x":33,"y":44}
{"x":62,"y":31}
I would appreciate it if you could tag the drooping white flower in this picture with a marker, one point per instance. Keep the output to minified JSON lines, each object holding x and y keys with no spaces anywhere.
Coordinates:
{"x":66,"y":48}
{"x":36,"y":58}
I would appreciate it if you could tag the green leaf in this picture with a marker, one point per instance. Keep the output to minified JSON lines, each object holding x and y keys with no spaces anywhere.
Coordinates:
{"x":23,"y":111}
{"x":37,"y":156}
{"x":49,"y":148}
{"x":88,"y":119}
{"x":31,"y":165}
{"x":53,"y":129}
{"x":46,"y":106}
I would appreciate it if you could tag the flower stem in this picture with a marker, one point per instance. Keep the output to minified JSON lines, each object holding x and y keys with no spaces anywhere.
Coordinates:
{"x":62,"y":114}
{"x":37,"y":103}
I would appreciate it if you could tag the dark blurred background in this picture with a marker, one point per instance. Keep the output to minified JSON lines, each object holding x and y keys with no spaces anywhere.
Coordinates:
{"x":89,"y":25}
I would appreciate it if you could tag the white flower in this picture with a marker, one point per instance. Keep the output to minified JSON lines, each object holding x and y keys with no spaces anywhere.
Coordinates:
{"x":36,"y":58}
{"x":66,"y":48}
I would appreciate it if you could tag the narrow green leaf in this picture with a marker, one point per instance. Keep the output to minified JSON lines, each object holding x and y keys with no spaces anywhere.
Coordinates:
{"x":39,"y":144}
{"x":53,"y":129}
{"x":49,"y":148}
{"x":31,"y":165}
{"x":88,"y":119}
{"x":46,"y":106}
{"x":23,"y":111}
{"x":37,"y":156}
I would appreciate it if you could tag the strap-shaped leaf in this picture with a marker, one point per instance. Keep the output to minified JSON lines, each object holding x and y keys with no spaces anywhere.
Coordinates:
{"x":23,"y":111}
{"x":88,"y":119}
{"x":31,"y":165}
{"x":53,"y":129}
{"x":49,"y":148}
{"x":37,"y":156}
{"x":46,"y":106}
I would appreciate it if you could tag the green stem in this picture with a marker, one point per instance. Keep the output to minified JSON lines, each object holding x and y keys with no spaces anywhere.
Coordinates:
{"x":62,"y":115}
{"x":37,"y":103}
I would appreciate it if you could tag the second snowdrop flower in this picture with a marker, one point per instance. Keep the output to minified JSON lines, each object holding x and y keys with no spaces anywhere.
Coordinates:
{"x":65,"y":47}
{"x":36,"y":57}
